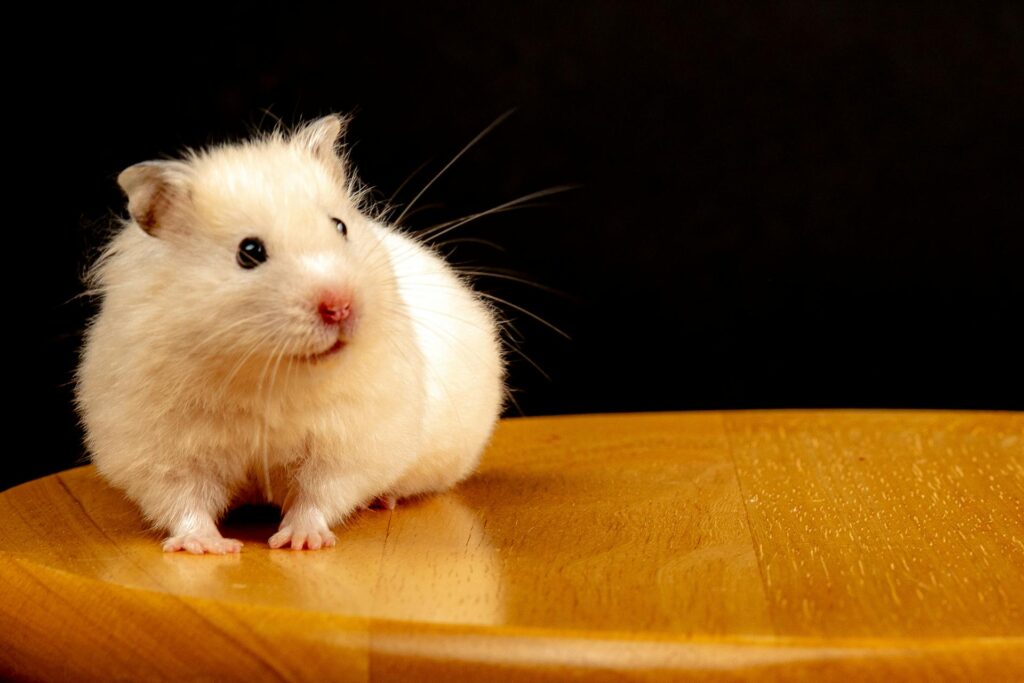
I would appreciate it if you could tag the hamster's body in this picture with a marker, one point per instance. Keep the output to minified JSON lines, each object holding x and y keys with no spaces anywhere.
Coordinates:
{"x":260,"y":335}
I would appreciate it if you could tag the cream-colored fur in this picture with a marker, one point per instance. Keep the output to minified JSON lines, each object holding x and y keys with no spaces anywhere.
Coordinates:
{"x":197,"y":388}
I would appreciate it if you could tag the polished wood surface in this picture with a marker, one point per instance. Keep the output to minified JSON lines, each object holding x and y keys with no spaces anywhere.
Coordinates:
{"x":789,"y":545}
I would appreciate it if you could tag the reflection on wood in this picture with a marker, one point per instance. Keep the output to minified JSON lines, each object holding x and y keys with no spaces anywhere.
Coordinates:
{"x":770,"y":545}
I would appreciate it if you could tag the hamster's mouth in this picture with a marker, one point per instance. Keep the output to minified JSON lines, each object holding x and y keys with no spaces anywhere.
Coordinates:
{"x":317,"y":357}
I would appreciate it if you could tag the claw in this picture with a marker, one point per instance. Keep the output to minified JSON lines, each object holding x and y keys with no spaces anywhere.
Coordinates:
{"x":200,"y":545}
{"x":299,"y":538}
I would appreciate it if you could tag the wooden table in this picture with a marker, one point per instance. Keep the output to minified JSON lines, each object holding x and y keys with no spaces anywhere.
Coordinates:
{"x":875,"y":546}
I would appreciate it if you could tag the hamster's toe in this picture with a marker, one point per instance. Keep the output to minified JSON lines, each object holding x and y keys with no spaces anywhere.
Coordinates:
{"x":300,"y":536}
{"x":199,"y":544}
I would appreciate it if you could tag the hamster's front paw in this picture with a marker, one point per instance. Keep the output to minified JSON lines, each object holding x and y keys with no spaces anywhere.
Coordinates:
{"x":197,"y":544}
{"x":303,"y":535}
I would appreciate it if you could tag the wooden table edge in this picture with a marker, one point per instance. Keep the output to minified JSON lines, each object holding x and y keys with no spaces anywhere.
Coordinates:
{"x":432,"y":648}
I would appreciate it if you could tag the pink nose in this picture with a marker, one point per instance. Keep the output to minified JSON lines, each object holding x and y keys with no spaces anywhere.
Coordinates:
{"x":334,"y":308}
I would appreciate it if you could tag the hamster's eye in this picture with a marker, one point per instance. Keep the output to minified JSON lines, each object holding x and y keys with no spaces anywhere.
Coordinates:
{"x":341,"y":227}
{"x":251,"y":252}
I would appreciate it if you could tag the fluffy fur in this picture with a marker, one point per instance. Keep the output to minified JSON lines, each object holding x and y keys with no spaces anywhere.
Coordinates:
{"x":200,"y":383}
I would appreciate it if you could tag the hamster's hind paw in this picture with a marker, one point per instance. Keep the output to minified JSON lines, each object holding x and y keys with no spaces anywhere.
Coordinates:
{"x":313,"y":538}
{"x":199,"y":544}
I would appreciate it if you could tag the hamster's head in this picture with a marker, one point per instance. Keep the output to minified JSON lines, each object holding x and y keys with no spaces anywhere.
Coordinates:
{"x":252,"y":252}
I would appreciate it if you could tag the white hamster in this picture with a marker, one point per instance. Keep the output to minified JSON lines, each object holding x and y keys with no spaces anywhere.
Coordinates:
{"x":260,"y":335}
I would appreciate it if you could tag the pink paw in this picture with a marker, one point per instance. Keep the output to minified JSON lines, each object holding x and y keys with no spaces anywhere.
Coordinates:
{"x":199,"y":544}
{"x":303,"y":537}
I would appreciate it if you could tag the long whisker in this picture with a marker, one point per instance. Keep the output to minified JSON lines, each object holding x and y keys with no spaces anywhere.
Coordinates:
{"x":442,"y":229}
{"x":420,"y":324}
{"x":423,"y":208}
{"x":254,"y":347}
{"x":513,"y":278}
{"x":428,"y":233}
{"x":497,"y":122}
{"x":267,"y":489}
{"x":437,"y":376}
{"x":224,"y":330}
{"x":529,"y":360}
{"x":266,"y":366}
{"x":470,"y":240}
{"x":405,"y":182}
{"x":510,"y":343}
{"x":508,"y":393}
{"x":525,"y":312}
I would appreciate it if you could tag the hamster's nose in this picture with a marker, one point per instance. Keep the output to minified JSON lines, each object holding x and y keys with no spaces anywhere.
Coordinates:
{"x":334,"y":307}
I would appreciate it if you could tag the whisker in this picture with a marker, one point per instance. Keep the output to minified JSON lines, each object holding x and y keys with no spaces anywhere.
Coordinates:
{"x":421,"y":209}
{"x":429,"y":232}
{"x":508,"y":394}
{"x":529,"y":360}
{"x":266,"y":366}
{"x":405,"y":182}
{"x":525,"y":312}
{"x":224,"y":330}
{"x":497,"y":122}
{"x":470,"y":240}
{"x":437,"y":376}
{"x":267,"y":489}
{"x":441,"y":334}
{"x":502,"y":276}
{"x":510,"y":343}
{"x":519,"y":202}
{"x":255,"y":346}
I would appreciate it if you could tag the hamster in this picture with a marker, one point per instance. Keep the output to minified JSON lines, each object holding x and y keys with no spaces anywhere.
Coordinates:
{"x":261,"y":337}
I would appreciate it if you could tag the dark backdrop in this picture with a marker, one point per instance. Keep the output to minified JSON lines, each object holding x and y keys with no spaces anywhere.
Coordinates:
{"x":801,"y":204}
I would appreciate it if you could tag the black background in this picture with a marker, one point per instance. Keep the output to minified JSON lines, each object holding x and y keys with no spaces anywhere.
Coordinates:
{"x":789,"y":204}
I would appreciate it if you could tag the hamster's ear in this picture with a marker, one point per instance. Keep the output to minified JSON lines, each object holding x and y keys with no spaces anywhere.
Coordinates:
{"x":156,"y":192}
{"x":321,"y":136}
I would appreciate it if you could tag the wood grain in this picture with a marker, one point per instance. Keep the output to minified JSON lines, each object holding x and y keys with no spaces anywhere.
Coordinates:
{"x":701,"y":546}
